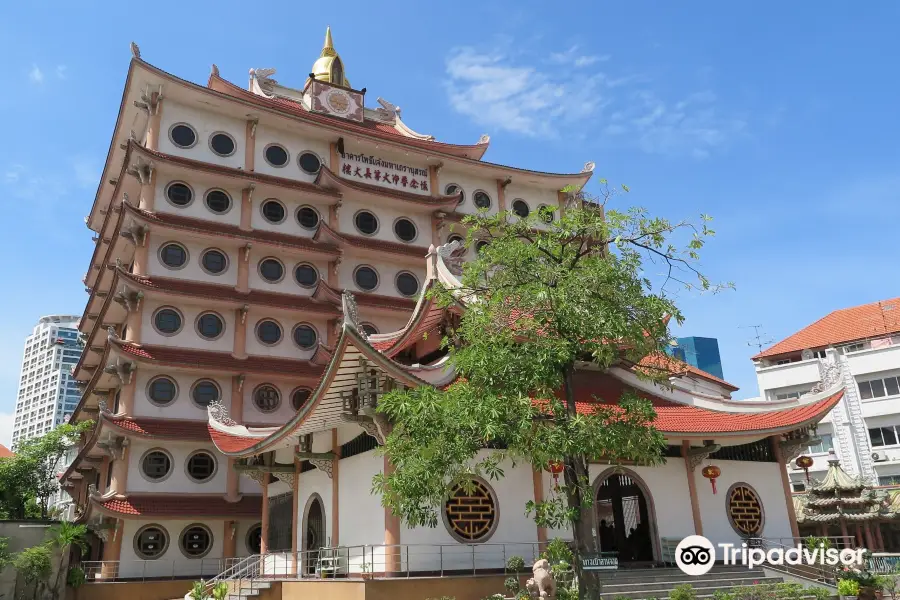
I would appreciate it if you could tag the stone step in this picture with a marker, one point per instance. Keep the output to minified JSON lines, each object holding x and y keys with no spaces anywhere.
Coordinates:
{"x":646,"y":575}
{"x":702,"y":591}
{"x":695,"y":582}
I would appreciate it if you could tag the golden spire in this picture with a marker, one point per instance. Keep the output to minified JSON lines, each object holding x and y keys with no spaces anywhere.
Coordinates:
{"x":329,"y":67}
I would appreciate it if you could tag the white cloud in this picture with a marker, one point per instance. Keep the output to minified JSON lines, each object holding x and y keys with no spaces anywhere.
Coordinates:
{"x":61,"y":71}
{"x":36,"y":75}
{"x":86,"y":172}
{"x":495,"y":90}
{"x":7,"y":420}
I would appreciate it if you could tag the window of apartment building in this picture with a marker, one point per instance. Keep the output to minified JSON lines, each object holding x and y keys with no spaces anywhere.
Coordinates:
{"x":855,"y":347}
{"x":790,"y":395}
{"x":826,"y":443}
{"x":883,"y":436}
{"x":889,"y":480}
{"x":879,"y":388}
{"x":799,"y":486}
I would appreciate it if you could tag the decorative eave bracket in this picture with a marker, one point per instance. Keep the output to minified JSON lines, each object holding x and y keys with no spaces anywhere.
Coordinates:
{"x":698,"y":454}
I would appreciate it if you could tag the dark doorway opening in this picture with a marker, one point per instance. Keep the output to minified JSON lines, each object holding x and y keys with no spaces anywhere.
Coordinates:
{"x":623,"y":519}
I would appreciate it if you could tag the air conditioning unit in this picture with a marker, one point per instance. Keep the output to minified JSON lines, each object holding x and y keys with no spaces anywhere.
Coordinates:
{"x":879,"y":456}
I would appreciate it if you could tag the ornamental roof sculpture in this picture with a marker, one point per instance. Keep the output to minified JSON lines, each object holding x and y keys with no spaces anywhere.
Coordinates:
{"x":362,"y":367}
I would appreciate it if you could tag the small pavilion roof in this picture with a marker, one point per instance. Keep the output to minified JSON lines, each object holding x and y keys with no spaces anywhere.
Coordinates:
{"x":836,"y":479}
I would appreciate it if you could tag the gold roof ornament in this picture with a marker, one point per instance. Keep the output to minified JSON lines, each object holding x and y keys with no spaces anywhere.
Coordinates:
{"x":329,"y":67}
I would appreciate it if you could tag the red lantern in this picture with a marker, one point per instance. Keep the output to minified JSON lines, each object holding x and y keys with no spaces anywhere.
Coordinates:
{"x":556,"y":467}
{"x":712,"y":472}
{"x":805,"y":462}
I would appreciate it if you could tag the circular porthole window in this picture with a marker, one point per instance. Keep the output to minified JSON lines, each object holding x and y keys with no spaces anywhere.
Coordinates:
{"x":482,"y":200}
{"x":266,"y":398}
{"x":200,"y":466}
{"x":213,"y":261}
{"x":405,"y":229}
{"x":310,"y":163}
{"x":407,"y":283}
{"x":305,"y":336}
{"x":179,"y":194}
{"x":520,"y":208}
{"x":268,"y":332}
{"x":218,"y":201}
{"x":546,"y":213}
{"x":151,"y":542}
{"x":299,"y":397}
{"x":167,"y":321}
{"x":210,"y":326}
{"x":273,"y":211}
{"x":156,"y":464}
{"x":307,"y":217}
{"x":366,"y":222}
{"x":205,"y":392}
{"x":745,"y":510}
{"x":366,"y":278}
{"x":480,"y":246}
{"x":306,"y":275}
{"x":456,"y":238}
{"x":369,"y":328}
{"x":276,"y":155}
{"x":173,"y":256}
{"x":271,"y":270}
{"x":196,"y":541}
{"x":162,"y":391}
{"x":452,"y":190}
{"x":222,"y":144}
{"x":254,"y":539}
{"x":470,"y":513}
{"x":183,"y":135}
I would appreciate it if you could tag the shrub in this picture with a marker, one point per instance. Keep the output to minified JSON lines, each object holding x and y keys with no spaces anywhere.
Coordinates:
{"x":515,"y":564}
{"x":198,"y":592}
{"x":848,"y":587}
{"x":34,"y":564}
{"x":75,"y":578}
{"x":220,"y":592}
{"x":511,"y":585}
{"x":685,"y":591}
{"x":558,"y":551}
{"x":723,"y":595}
{"x":819,"y":593}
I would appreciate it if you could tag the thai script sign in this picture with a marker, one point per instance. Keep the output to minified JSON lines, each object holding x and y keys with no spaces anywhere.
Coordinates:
{"x":371,"y":169}
{"x":600,"y":562}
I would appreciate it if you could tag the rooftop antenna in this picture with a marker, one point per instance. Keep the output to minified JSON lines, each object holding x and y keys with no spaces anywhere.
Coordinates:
{"x":760,"y":340}
{"x":885,"y":307}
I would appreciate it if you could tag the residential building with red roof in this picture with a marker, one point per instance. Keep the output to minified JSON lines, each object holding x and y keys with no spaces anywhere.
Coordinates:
{"x":863,"y":342}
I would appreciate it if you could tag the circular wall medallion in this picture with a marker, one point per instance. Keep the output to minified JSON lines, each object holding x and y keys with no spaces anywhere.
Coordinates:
{"x":338,"y":101}
{"x":470,"y":513}
{"x":745,"y":510}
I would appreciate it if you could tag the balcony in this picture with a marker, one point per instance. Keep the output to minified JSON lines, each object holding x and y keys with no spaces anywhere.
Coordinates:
{"x":874,"y":360}
{"x":787,"y":375}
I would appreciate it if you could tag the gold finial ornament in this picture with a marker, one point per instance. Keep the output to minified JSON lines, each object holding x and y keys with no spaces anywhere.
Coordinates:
{"x":329,"y":67}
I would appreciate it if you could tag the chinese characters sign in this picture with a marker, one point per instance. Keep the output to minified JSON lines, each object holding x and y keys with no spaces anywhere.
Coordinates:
{"x":371,"y":169}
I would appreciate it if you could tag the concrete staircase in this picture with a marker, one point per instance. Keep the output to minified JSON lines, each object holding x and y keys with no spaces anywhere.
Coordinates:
{"x":657,"y":583}
{"x":248,"y":589}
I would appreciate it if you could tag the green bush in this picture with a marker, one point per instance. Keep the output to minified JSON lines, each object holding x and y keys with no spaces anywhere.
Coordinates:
{"x":515,"y":564}
{"x":819,"y":593}
{"x":685,"y":591}
{"x":511,"y":585}
{"x":848,"y":587}
{"x":198,"y":592}
{"x":220,"y":592}
{"x":34,"y":564}
{"x":723,"y":595}
{"x":558,"y":551}
{"x":75,"y":578}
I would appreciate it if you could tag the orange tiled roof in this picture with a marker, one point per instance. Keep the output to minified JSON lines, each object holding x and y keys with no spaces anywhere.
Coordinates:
{"x":181,"y":505}
{"x":231,"y":443}
{"x":842,"y":326}
{"x":5,"y":452}
{"x":167,"y":429}
{"x":671,"y":364}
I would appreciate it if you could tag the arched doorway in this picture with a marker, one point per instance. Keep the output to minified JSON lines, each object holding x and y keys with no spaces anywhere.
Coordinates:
{"x":313,"y":532}
{"x":625,"y":517}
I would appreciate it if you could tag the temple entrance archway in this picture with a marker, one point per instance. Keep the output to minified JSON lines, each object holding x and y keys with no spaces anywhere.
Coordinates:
{"x":625,"y":518}
{"x":313,"y":532}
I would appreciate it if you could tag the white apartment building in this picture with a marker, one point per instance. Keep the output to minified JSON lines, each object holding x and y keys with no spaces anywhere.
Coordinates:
{"x":47,"y":393}
{"x":861,"y":345}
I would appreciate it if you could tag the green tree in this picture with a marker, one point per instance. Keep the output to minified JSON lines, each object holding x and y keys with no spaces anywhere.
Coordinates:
{"x":63,"y":537}
{"x":543,"y":297}
{"x":34,"y":565}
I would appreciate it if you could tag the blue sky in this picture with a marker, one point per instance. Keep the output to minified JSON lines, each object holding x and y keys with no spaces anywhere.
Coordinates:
{"x":780,"y":120}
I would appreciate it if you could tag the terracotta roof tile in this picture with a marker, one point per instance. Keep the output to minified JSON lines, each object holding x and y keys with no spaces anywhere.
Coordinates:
{"x":181,"y":505}
{"x":671,"y":364}
{"x":5,"y":452}
{"x":167,"y":429}
{"x":842,"y":326}
{"x":231,"y":443}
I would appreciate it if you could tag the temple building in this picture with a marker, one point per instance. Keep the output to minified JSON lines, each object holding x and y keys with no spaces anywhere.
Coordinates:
{"x":263,"y":255}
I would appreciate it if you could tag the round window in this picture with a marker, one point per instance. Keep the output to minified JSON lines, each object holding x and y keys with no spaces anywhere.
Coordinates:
{"x":305,"y":336}
{"x":222,"y":144}
{"x":309,"y":162}
{"x":546,"y":213}
{"x":201,"y":466}
{"x":480,"y":245}
{"x":268,"y":332}
{"x":196,"y":541}
{"x":453,"y":189}
{"x":405,"y":229}
{"x":205,"y":392}
{"x":273,"y":211}
{"x":369,"y":328}
{"x":183,"y":135}
{"x":271,"y":270}
{"x":254,"y":539}
{"x":167,"y":321}
{"x":745,"y":510}
{"x":151,"y":542}
{"x":156,"y":465}
{"x":276,"y":155}
{"x":520,"y":207}
{"x":162,"y":391}
{"x":266,"y":398}
{"x":482,"y":200}
{"x":407,"y":284}
{"x":456,"y":238}
{"x":173,"y":255}
{"x":179,"y":194}
{"x":308,"y":217}
{"x":214,"y":261}
{"x":306,"y":275}
{"x":366,"y":278}
{"x":299,"y":397}
{"x":470,"y":513}
{"x":210,"y":326}
{"x":218,"y":201}
{"x":366,"y":222}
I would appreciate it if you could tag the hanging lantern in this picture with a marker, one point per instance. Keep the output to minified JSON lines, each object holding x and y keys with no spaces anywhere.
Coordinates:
{"x":712,"y":472}
{"x":804,"y":462}
{"x":556,"y":467}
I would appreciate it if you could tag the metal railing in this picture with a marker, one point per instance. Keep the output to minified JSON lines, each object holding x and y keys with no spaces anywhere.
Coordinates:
{"x":883,"y":563}
{"x":822,"y":573}
{"x":148,"y":570}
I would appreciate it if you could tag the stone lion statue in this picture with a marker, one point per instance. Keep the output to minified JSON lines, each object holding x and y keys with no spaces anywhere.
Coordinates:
{"x":542,"y":586}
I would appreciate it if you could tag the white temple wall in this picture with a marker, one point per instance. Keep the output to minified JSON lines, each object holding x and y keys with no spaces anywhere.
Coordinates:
{"x":188,"y":337}
{"x":248,"y":486}
{"x":383,"y":322}
{"x":285,"y":347}
{"x":292,"y":202}
{"x":279,"y":416}
{"x":205,"y":123}
{"x":387,"y":212}
{"x":533,"y":196}
{"x":765,"y":478}
{"x":362,"y":516}
{"x":191,"y":271}
{"x":346,"y":432}
{"x":183,"y":407}
{"x":288,"y":284}
{"x":177,"y":481}
{"x":316,"y":482}
{"x":296,"y":144}
{"x":387,"y":273}
{"x":197,"y":208}
{"x":470,"y":183}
